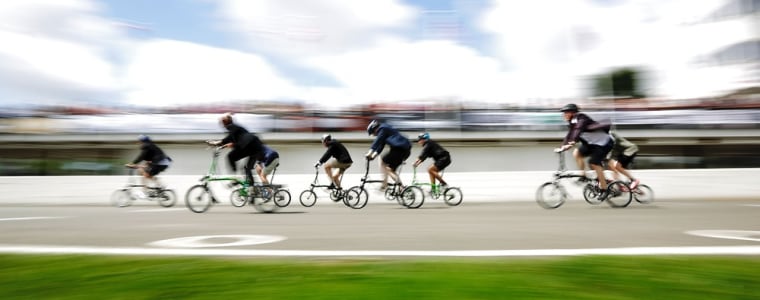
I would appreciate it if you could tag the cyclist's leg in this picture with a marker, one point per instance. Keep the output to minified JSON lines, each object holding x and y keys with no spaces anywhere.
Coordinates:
{"x":436,"y":169}
{"x":390,"y":162}
{"x":580,"y":155}
{"x":249,"y":165}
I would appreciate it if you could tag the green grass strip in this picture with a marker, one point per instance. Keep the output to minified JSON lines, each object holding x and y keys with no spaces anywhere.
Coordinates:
{"x":587,"y":277}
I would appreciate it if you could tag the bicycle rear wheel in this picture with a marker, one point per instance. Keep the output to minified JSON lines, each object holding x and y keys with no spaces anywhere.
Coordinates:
{"x":308,"y":198}
{"x":551,"y":195}
{"x":198,"y":199}
{"x":121,"y":198}
{"x":166,"y":198}
{"x":282,"y":197}
{"x":412,"y":197}
{"x":239,"y":197}
{"x":643,"y":194}
{"x":619,"y":194}
{"x":591,"y":194}
{"x":453,"y":196}
{"x":356,"y":197}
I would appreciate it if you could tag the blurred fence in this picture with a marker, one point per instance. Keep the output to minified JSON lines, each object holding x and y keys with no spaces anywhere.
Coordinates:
{"x":441,"y":120}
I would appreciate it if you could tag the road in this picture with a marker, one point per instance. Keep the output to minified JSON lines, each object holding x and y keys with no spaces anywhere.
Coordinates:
{"x":384,"y":229}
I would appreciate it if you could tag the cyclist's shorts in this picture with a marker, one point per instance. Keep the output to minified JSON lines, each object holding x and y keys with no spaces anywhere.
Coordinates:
{"x":442,"y":163}
{"x":268,"y":169}
{"x":597,"y":154}
{"x":396,"y":156}
{"x":339,"y":165}
{"x":625,"y":160}
{"x":153,"y":169}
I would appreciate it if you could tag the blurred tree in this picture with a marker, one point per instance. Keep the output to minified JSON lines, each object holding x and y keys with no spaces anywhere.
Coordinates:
{"x":623,"y":82}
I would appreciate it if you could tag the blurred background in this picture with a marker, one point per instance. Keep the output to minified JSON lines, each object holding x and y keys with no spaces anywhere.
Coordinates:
{"x":82,"y":78}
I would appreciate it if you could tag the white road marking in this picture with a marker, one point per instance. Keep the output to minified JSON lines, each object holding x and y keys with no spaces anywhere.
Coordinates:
{"x":29,"y":218}
{"x":744,"y":235}
{"x":155,"y":210}
{"x":203,"y":241}
{"x":722,"y":250}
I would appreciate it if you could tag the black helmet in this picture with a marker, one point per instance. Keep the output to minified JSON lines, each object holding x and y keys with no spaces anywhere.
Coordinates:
{"x":372,"y":126}
{"x":326,"y":138}
{"x":569,"y":107}
{"x":143,"y":138}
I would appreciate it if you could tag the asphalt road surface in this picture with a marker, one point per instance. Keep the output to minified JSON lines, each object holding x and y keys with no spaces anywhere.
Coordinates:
{"x":385,"y":229}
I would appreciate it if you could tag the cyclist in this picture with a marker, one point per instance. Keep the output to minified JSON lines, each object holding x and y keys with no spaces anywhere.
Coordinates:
{"x":342,"y":160}
{"x":243,"y":143}
{"x":267,"y":160}
{"x":595,"y":140}
{"x":156,"y":161}
{"x":621,"y":157}
{"x":400,"y":150}
{"x":438,"y":153}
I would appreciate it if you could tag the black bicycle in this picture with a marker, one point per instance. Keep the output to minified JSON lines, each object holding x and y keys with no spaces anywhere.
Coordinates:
{"x":308,"y":197}
{"x":553,"y":194}
{"x":357,"y":196}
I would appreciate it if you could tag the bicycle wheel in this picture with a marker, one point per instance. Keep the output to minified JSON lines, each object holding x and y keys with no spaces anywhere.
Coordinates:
{"x":265,"y":204}
{"x":619,"y":194}
{"x":308,"y":198}
{"x":166,"y":198}
{"x":198,"y":199}
{"x":551,"y":195}
{"x":453,"y":196}
{"x":412,"y":197}
{"x":390,"y":193}
{"x":121,"y":198}
{"x":356,"y":197}
{"x":282,"y":197}
{"x":239,"y":197}
{"x":591,"y":194}
{"x":335,"y":194}
{"x":643,"y":194}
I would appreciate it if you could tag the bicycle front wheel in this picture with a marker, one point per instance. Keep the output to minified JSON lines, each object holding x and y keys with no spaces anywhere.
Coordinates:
{"x":356,"y":197}
{"x":282,"y":197}
{"x":198,"y":199}
{"x":166,"y":198}
{"x":643,"y":194}
{"x":551,"y":195}
{"x":308,"y":198}
{"x":121,"y":198}
{"x":453,"y":196}
{"x":412,"y":197}
{"x":619,"y":194}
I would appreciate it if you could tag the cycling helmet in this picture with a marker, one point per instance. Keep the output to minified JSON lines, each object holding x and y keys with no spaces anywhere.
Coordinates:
{"x":143,"y":138}
{"x":326,"y":138}
{"x":569,"y":107}
{"x":423,"y":136}
{"x":372,"y":126}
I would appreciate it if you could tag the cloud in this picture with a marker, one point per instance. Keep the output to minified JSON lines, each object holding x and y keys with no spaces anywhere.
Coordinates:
{"x":56,"y":51}
{"x":173,"y":72}
{"x":297,"y":29}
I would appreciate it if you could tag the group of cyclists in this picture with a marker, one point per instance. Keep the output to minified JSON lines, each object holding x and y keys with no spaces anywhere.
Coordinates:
{"x":592,"y":140}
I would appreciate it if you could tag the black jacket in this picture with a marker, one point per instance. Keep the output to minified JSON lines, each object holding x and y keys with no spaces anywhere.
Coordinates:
{"x":151,"y":153}
{"x":434,"y":150}
{"x":337,"y":150}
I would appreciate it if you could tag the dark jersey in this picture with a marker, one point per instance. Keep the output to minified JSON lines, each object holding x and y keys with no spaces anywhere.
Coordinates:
{"x":337,"y":150}
{"x":151,"y":153}
{"x":434,"y":150}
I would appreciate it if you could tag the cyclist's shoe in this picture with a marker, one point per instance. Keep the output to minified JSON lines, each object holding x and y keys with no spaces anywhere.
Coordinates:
{"x":583,"y":180}
{"x":603,"y":195}
{"x":331,"y":187}
{"x":634,"y":184}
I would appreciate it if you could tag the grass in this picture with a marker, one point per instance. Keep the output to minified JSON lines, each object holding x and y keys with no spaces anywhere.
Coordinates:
{"x":587,"y":277}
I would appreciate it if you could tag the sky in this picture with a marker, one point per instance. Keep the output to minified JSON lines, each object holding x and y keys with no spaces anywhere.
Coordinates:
{"x":334,"y":53}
